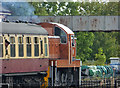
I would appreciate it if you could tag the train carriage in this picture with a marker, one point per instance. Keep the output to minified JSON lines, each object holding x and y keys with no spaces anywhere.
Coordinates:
{"x":24,"y":53}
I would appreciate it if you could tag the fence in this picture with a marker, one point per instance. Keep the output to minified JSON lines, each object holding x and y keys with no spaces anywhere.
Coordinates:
{"x":105,"y":83}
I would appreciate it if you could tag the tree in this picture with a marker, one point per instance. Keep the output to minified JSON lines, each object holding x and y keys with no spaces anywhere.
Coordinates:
{"x":100,"y":57}
{"x":84,"y":42}
{"x":106,"y":41}
{"x":40,"y":10}
{"x":76,"y":8}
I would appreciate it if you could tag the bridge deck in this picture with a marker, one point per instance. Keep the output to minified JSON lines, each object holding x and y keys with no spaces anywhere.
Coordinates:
{"x":80,"y":23}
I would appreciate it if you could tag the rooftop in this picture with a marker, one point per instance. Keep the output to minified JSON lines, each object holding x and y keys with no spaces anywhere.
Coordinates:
{"x":114,"y":58}
{"x":21,"y":28}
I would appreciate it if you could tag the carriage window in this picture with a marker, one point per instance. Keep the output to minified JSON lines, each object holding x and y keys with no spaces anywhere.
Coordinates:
{"x":12,"y":39}
{"x":62,"y":34}
{"x":36,"y":46}
{"x":28,"y":42}
{"x":12,"y":46}
{"x":45,"y":42}
{"x":20,"y":46}
{"x":1,"y":46}
{"x":41,"y":46}
{"x":1,"y":39}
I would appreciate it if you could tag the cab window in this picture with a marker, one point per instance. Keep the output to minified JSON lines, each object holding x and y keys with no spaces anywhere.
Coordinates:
{"x":1,"y":46}
{"x":20,"y":46}
{"x":28,"y":44}
{"x":62,"y":34}
{"x":12,"y":46}
{"x":73,"y":40}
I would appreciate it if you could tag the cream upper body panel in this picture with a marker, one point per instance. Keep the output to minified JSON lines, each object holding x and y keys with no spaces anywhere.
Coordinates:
{"x":19,"y":41}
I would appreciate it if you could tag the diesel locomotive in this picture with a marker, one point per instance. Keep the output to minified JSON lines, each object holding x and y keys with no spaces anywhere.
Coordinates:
{"x":42,"y":54}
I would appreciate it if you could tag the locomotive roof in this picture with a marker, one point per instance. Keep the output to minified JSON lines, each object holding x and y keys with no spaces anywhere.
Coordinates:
{"x":21,"y":28}
{"x":69,"y":31}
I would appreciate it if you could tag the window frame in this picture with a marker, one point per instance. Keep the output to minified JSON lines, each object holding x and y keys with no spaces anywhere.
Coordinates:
{"x":2,"y":43}
{"x":73,"y":40}
{"x":47,"y":46}
{"x":38,"y":45}
{"x":9,"y":52}
{"x":41,"y":39}
{"x":23,"y":43}
{"x":60,"y":34}
{"x":27,"y":44}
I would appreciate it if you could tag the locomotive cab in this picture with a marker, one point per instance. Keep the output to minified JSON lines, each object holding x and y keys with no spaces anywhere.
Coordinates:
{"x":67,"y":42}
{"x":64,"y":68}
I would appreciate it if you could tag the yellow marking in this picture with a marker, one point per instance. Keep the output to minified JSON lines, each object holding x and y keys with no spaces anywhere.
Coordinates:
{"x":46,"y":78}
{"x":16,"y":46}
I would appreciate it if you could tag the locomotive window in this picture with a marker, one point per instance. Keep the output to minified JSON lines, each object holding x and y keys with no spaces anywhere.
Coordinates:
{"x":45,"y":41}
{"x":20,"y":46}
{"x":1,"y":46}
{"x":28,"y":42}
{"x":57,"y":31}
{"x":41,"y":46}
{"x":62,"y":34}
{"x":36,"y":46}
{"x":73,"y":40}
{"x":63,"y":37}
{"x":12,"y":46}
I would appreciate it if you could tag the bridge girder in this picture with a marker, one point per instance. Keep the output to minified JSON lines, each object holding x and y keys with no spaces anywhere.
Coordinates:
{"x":80,"y":23}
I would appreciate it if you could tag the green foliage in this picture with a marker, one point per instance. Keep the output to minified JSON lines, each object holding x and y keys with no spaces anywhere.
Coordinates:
{"x":95,"y":48}
{"x":88,"y":62}
{"x":100,"y":57}
{"x":106,"y":41}
{"x":39,"y":8}
{"x":84,"y":41}
{"x":76,"y":8}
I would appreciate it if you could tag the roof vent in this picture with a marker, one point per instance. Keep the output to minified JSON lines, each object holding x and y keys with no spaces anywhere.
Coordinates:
{"x":20,"y":21}
{"x":6,"y":21}
{"x":16,"y":21}
{"x":25,"y":21}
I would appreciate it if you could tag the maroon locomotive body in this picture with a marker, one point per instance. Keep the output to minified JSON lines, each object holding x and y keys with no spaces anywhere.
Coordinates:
{"x":62,"y":44}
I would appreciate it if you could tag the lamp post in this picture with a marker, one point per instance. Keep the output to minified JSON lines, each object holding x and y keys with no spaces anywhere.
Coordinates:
{"x":104,"y":79}
{"x":113,"y":77}
{"x":111,"y":81}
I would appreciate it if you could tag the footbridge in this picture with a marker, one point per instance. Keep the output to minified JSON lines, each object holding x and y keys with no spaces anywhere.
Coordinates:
{"x":80,"y":23}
